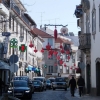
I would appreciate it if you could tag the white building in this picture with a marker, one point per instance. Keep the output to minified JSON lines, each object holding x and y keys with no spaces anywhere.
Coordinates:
{"x":89,"y":21}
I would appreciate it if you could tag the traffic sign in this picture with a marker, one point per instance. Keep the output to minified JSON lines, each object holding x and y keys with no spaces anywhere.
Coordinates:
{"x":13,"y":43}
{"x":14,"y":68}
{"x":6,"y":34}
{"x":13,"y":59}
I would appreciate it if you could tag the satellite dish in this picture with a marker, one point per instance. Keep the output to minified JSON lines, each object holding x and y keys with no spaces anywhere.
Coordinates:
{"x":64,"y":30}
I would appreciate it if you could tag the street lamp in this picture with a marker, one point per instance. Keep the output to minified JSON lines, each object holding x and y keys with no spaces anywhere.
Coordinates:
{"x":21,"y":38}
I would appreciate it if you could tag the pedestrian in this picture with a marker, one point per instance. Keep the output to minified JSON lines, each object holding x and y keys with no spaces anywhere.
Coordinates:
{"x":72,"y":85}
{"x":81,"y":84}
{"x":1,"y":84}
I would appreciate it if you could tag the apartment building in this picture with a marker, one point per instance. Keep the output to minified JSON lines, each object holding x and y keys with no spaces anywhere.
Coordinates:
{"x":88,"y":14}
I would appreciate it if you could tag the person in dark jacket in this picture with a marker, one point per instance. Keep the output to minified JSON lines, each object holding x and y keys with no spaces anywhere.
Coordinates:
{"x":72,"y":85}
{"x":1,"y":84}
{"x":81,"y":84}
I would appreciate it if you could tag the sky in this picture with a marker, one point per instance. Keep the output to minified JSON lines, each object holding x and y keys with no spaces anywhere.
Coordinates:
{"x":53,"y":12}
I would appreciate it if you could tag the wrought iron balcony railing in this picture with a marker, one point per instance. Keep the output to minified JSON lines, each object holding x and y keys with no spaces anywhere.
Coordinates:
{"x":84,"y":41}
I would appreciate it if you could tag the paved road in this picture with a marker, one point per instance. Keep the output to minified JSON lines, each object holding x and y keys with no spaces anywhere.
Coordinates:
{"x":60,"y":95}
{"x":50,"y":95}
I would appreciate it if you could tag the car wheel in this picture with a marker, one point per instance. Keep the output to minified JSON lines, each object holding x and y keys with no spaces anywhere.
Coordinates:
{"x":53,"y":88}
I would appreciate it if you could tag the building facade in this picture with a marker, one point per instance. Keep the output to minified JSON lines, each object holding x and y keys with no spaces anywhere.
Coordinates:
{"x":89,"y":20}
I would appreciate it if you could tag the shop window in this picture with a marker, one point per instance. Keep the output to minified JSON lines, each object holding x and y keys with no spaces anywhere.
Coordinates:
{"x":50,"y":69}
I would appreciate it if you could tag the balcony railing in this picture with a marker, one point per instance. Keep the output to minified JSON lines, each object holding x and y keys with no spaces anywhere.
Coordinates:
{"x":84,"y":41}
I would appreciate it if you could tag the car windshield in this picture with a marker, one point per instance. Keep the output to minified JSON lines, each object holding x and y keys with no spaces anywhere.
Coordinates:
{"x":60,"y":80}
{"x":48,"y":81}
{"x":52,"y":80}
{"x":40,"y":79}
{"x":20,"y":84}
{"x":20,"y":78}
{"x":36,"y":83}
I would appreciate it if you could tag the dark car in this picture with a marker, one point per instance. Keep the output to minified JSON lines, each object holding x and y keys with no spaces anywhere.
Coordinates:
{"x":60,"y":83}
{"x":52,"y":79}
{"x":20,"y":89}
{"x":37,"y":85}
{"x":43,"y":80}
{"x":48,"y":84}
{"x":26,"y":78}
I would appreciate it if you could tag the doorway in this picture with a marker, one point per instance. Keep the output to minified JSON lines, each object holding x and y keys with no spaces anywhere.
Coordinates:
{"x":88,"y":71}
{"x":98,"y":78}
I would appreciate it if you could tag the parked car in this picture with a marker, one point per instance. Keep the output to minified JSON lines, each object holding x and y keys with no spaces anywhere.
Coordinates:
{"x":52,"y":79}
{"x":37,"y":85}
{"x":60,"y":83}
{"x":48,"y":84}
{"x":26,"y":78}
{"x":20,"y":89}
{"x":43,"y":80}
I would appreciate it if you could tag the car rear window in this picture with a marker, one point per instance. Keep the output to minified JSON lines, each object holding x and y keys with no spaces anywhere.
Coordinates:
{"x":60,"y":80}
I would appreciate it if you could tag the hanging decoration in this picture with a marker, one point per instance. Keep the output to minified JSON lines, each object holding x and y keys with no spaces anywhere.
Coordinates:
{"x":49,"y":56}
{"x":31,"y":45}
{"x":62,"y":51}
{"x":67,"y":52}
{"x":61,"y":46}
{"x":70,"y":67}
{"x":48,"y":47}
{"x":35,"y":50}
{"x":58,"y":57}
{"x":55,"y":53}
{"x":74,"y":64}
{"x":65,"y":65}
{"x":55,"y":33}
{"x":78,"y":70}
{"x":61,"y":62}
{"x":51,"y":52}
{"x":42,"y":50}
{"x":68,"y":57}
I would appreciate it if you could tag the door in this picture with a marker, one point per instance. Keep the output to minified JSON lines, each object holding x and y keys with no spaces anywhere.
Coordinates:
{"x":98,"y":78}
{"x":88,"y":70}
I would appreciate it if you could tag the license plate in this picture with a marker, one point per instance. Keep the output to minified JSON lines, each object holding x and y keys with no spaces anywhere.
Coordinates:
{"x":18,"y":93}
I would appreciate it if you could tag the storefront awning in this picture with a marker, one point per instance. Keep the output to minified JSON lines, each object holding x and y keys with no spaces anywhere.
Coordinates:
{"x":4,"y":65}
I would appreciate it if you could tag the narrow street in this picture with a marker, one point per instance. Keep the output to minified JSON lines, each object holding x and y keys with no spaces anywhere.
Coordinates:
{"x":60,"y":95}
{"x":50,"y":95}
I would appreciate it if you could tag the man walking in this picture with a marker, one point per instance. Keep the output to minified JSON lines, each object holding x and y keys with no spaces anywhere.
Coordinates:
{"x":72,"y":85}
{"x":81,"y":84}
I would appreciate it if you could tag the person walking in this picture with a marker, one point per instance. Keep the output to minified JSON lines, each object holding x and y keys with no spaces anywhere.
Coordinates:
{"x":81,"y":84}
{"x":72,"y":85}
{"x":1,"y":84}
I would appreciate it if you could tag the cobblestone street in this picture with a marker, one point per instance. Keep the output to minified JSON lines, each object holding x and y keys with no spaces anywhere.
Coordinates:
{"x":60,"y":95}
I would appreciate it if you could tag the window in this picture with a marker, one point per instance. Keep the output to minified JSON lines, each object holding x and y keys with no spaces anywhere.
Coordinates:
{"x":67,"y":69}
{"x":87,"y":24}
{"x":16,"y":28}
{"x":13,"y":24}
{"x":94,"y":21}
{"x":50,"y":69}
{"x":10,"y":21}
{"x":50,"y":40}
{"x":51,"y":57}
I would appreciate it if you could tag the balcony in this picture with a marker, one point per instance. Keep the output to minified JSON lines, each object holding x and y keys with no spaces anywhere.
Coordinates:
{"x":4,"y":8}
{"x":84,"y":41}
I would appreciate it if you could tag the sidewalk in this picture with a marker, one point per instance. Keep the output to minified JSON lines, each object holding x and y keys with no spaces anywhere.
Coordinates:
{"x":77,"y":97}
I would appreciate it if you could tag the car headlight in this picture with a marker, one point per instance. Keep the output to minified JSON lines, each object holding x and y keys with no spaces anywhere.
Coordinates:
{"x":9,"y":91}
{"x":27,"y":91}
